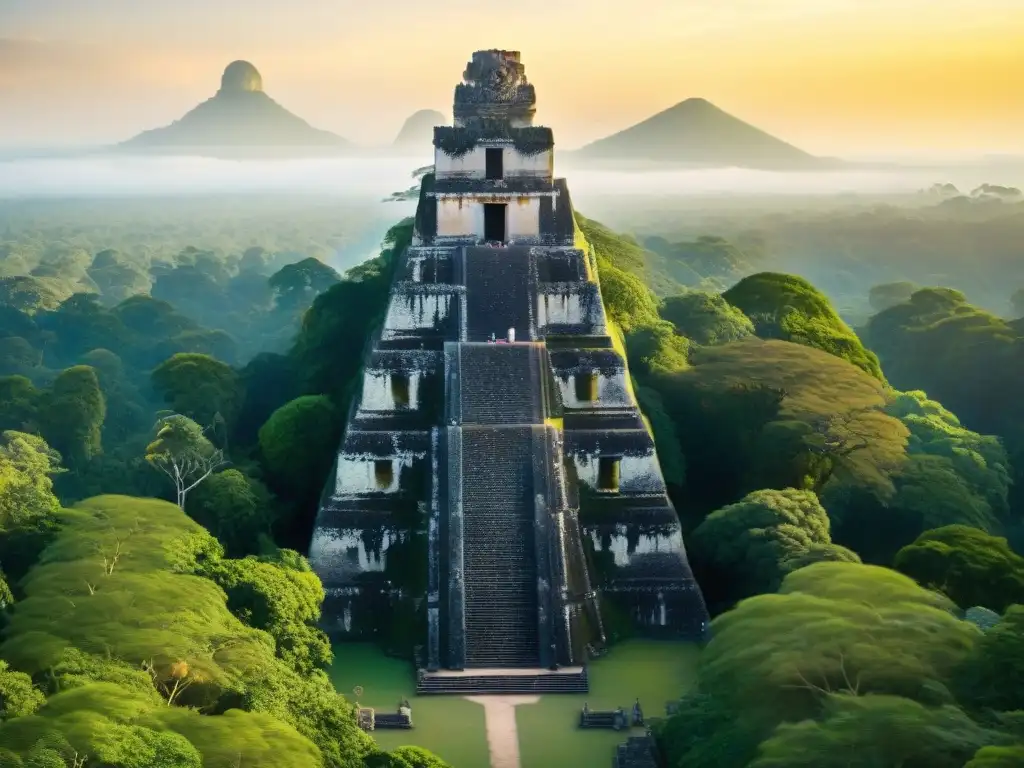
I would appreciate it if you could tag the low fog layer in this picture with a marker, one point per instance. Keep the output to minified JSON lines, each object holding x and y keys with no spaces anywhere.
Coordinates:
{"x":381,"y":176}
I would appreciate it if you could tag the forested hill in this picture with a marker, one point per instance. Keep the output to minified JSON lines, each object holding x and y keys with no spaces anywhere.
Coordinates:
{"x":840,"y":519}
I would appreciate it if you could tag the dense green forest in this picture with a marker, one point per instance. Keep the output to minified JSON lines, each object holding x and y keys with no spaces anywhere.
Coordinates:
{"x":850,"y":496}
{"x":844,"y":246}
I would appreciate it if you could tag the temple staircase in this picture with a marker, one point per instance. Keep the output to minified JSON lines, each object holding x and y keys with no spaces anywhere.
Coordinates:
{"x":500,"y":471}
{"x":498,"y":544}
{"x":499,"y":292}
{"x":500,"y":384}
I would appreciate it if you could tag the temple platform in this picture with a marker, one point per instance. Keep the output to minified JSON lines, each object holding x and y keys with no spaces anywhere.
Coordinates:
{"x":503,"y":681}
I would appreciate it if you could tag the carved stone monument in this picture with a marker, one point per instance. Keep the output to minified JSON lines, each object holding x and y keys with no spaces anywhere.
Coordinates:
{"x":518,"y":473}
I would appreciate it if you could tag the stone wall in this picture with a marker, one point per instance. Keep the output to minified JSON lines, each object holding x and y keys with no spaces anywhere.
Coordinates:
{"x":473,"y":164}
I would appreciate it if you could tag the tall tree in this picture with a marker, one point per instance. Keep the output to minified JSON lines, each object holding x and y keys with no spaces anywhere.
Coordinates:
{"x":969,"y":565}
{"x":72,"y":415}
{"x":183,"y":453}
{"x":237,"y":509}
{"x":297,"y":285}
{"x":200,"y":387}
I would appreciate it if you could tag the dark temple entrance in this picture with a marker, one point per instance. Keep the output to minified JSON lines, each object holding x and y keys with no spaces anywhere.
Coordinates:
{"x":494,"y":222}
{"x":495,"y":158}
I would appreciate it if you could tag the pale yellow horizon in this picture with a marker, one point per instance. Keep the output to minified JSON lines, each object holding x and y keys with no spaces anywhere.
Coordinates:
{"x":833,"y":77}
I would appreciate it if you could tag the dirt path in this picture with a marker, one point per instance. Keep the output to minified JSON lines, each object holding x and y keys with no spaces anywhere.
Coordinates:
{"x":500,"y":718}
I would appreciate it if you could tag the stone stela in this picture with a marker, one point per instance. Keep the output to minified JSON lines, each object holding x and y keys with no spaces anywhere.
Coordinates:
{"x":496,"y":441}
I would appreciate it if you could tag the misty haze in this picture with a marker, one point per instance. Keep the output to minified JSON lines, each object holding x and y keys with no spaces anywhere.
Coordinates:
{"x":379,"y":176}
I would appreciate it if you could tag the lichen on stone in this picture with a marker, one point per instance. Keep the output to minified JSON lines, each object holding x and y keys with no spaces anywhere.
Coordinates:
{"x":459,"y":141}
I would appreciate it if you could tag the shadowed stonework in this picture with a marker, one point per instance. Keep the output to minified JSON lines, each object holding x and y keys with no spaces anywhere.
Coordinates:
{"x":496,"y":485}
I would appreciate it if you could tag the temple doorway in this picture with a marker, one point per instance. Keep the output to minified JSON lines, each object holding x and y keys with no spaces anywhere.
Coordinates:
{"x":494,"y":222}
{"x":495,"y":162}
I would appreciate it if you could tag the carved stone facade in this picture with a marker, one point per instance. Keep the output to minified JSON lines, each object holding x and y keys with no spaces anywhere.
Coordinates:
{"x":494,"y":87}
{"x":520,"y":475}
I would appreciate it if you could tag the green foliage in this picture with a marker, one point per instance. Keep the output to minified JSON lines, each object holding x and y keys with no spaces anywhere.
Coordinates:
{"x":6,"y":598}
{"x":30,"y":294}
{"x":997,"y":757}
{"x":964,"y":357}
{"x":770,"y":414}
{"x":625,"y":254}
{"x":873,"y":730}
{"x":706,"y":318}
{"x":235,"y":508}
{"x":183,"y":453}
{"x":298,"y":441}
{"x":978,"y":462}
{"x":17,"y":356}
{"x":627,"y":301}
{"x":528,"y":140}
{"x":117,"y":278}
{"x":666,"y":440}
{"x":706,"y":733}
{"x":329,"y":348}
{"x":405,"y":757}
{"x":104,"y":723}
{"x":281,"y":597}
{"x":753,"y":544}
{"x":246,"y":738}
{"x":18,"y":697}
{"x":120,"y":582}
{"x":26,"y":489}
{"x":839,"y":644}
{"x":200,"y":387}
{"x":968,"y":565}
{"x":19,"y":404}
{"x":79,"y":324}
{"x":656,"y":349}
{"x":72,"y":415}
{"x":790,"y":308}
{"x":295,"y":286}
{"x":835,"y":627}
{"x":28,"y":506}
{"x":993,"y":676}
{"x":108,"y":549}
{"x":75,"y":668}
{"x":709,"y":262}
{"x":621,"y":264}
{"x":268,"y":381}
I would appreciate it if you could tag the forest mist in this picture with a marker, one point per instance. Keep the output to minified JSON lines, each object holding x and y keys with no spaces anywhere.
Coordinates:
{"x":376,"y":176}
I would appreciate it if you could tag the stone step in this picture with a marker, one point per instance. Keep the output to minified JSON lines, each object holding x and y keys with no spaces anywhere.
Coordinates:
{"x":499,"y":568}
{"x":498,"y":292}
{"x":467,"y":684}
{"x":500,"y":384}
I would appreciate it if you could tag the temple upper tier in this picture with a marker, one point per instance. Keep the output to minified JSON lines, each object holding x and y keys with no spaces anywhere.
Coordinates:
{"x":493,"y":179}
{"x":494,"y":87}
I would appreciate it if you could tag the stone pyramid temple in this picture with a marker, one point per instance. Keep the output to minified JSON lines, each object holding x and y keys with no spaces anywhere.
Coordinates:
{"x":497,"y":495}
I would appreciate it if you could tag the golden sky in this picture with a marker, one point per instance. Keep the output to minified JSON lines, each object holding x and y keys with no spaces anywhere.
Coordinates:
{"x":831,"y":76}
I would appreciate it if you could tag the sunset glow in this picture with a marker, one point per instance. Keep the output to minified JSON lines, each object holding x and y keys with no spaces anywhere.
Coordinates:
{"x":831,"y":76}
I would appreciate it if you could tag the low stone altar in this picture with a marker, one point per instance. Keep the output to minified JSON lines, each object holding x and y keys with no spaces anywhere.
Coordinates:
{"x":369,"y":719}
{"x":615,"y":719}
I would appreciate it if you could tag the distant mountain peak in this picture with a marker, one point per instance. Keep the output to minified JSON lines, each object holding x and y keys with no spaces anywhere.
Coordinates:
{"x":418,"y":129}
{"x":240,"y":77}
{"x":697,"y":132}
{"x":239,"y":117}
